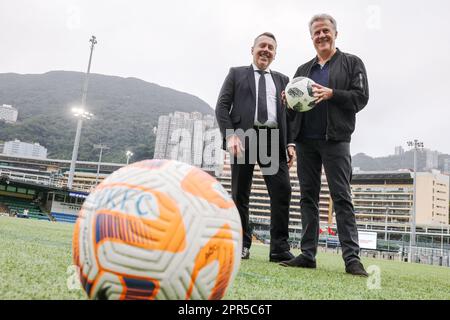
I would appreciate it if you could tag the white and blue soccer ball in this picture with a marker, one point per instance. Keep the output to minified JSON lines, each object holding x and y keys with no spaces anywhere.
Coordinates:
{"x":299,"y":94}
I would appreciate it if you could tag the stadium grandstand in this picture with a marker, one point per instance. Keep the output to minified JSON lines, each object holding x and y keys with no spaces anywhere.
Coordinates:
{"x":35,"y":201}
{"x":36,"y":188}
{"x":55,"y":172}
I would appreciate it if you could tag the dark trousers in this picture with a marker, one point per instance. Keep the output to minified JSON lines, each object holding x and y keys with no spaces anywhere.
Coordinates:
{"x":336,"y":160}
{"x":279,"y":188}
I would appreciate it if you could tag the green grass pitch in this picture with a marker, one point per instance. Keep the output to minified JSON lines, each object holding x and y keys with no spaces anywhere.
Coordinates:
{"x":35,"y":256}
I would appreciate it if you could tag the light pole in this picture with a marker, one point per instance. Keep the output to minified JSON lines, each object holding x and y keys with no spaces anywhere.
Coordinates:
{"x":101,"y":147}
{"x":385,"y":224}
{"x":76,"y":144}
{"x":81,"y":114}
{"x":442,"y":240}
{"x":129,"y":154}
{"x":416,"y":145}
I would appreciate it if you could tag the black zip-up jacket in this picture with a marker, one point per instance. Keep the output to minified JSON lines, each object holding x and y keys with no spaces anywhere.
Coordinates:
{"x":348,"y":79}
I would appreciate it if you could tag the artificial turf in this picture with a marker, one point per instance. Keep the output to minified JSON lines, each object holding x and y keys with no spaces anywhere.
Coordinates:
{"x":35,"y":260}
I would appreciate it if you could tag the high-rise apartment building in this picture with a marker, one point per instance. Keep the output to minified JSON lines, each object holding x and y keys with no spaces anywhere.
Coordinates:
{"x":432,"y":159}
{"x":399,"y":150}
{"x":24,"y":149}
{"x":162,"y":134}
{"x":8,"y":113}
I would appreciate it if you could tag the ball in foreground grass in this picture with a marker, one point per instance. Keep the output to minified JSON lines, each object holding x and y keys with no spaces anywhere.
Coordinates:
{"x":158,"y":229}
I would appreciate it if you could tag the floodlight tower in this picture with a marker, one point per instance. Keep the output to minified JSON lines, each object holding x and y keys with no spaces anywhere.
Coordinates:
{"x":101,"y":147}
{"x":416,"y":145}
{"x":81,"y":113}
{"x":129,"y":154}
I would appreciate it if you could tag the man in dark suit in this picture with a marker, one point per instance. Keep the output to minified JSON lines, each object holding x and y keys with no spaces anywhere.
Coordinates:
{"x":250,"y":100}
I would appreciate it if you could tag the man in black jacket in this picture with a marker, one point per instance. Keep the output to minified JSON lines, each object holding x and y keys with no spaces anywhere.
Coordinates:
{"x":322,"y":137}
{"x":250,"y":100}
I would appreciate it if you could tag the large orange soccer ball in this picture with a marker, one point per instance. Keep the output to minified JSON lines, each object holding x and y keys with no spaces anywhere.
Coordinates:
{"x":158,"y":229}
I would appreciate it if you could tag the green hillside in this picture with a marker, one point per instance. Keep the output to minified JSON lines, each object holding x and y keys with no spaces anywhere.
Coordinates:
{"x":126,"y":111}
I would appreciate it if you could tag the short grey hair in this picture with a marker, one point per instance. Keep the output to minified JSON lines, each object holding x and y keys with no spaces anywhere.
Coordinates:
{"x":322,"y":16}
{"x":265,"y":34}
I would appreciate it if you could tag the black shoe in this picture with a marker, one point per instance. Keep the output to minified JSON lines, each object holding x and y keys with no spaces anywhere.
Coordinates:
{"x":245,"y":253}
{"x":300,"y":262}
{"x":356,"y":268}
{"x":281,"y":256}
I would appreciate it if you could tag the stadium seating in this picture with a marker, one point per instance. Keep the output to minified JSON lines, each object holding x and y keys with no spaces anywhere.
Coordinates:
{"x":22,"y":206}
{"x":62,"y":217}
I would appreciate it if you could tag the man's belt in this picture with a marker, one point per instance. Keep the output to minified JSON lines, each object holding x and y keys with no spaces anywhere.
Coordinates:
{"x":260,"y":127}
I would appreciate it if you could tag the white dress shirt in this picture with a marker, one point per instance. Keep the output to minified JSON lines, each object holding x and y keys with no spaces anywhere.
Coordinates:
{"x":271,"y":94}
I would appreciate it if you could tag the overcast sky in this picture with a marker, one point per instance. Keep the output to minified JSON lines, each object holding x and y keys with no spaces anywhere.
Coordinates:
{"x":190,"y":45}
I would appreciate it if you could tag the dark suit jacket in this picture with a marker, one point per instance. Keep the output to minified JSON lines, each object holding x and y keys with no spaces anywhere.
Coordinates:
{"x":236,"y":104}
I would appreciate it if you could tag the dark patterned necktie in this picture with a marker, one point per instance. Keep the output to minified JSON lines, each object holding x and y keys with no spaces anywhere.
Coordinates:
{"x":262,"y":98}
